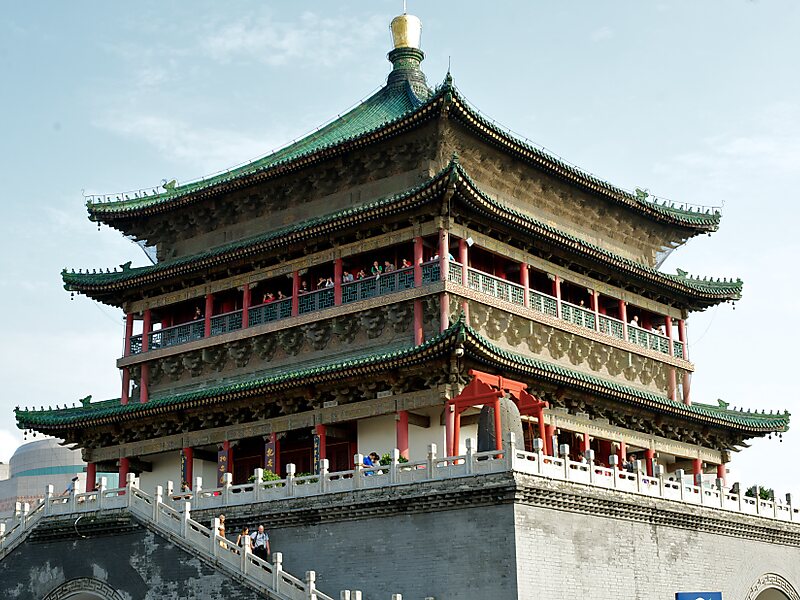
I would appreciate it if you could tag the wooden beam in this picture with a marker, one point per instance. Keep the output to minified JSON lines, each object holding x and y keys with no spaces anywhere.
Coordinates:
{"x":418,"y":420}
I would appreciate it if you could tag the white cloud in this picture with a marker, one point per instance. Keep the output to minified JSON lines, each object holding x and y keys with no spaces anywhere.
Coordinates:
{"x":324,"y":41}
{"x":9,"y":441}
{"x":206,"y":148}
{"x":602,"y":34}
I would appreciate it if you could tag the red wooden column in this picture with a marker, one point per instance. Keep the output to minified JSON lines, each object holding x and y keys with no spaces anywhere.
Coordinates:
{"x":649,"y":458}
{"x":550,"y":432}
{"x":295,"y":293}
{"x":623,"y":316}
{"x":444,"y":267}
{"x":128,"y":334}
{"x":585,"y":443}
{"x":525,"y":282}
{"x":596,"y":309}
{"x":209,"y":310}
{"x":622,"y":452}
{"x":418,"y":330}
{"x":682,"y":337}
{"x":246,"y":301}
{"x":320,"y":430}
{"x":402,"y":433}
{"x":557,"y":294}
{"x":144,"y":383}
{"x":337,"y":282}
{"x":463,"y":258}
{"x":91,"y":476}
{"x":147,"y":327}
{"x":188,"y":470}
{"x":697,"y":471}
{"x":721,"y":473}
{"x":687,"y":384}
{"x":668,"y":331}
{"x":124,"y":469}
{"x":126,"y":351}
{"x":451,"y":424}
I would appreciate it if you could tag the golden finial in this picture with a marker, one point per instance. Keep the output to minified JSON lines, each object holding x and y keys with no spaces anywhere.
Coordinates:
{"x":406,"y":30}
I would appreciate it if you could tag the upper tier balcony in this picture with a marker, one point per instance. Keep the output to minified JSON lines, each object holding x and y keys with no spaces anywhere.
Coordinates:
{"x":352,"y":289}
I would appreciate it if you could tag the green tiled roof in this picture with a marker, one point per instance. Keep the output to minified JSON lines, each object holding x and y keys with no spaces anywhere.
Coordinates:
{"x":389,"y":107}
{"x":388,"y":104}
{"x":323,"y":225}
{"x":476,"y":347}
{"x":724,"y":289}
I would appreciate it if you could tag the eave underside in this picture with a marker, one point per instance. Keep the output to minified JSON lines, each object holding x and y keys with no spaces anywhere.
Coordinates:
{"x":429,"y":365}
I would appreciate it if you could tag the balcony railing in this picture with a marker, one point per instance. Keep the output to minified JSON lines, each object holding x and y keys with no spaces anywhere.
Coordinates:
{"x":578,"y":315}
{"x":178,"y":334}
{"x":403,"y":279}
{"x":269,"y":312}
{"x":316,"y":300}
{"x":494,"y":286}
{"x":226,"y":322}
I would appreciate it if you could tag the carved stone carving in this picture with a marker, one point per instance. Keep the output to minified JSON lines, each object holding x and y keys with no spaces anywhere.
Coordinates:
{"x":318,"y":334}
{"x":497,"y":323}
{"x":399,"y":316}
{"x":539,"y":338}
{"x":559,"y":344}
{"x":193,"y":362}
{"x":345,"y":328}
{"x":215,"y":357}
{"x":373,"y":321}
{"x":291,"y":340}
{"x":775,"y":582}
{"x":240,"y":352}
{"x":172,"y":367}
{"x":265,"y":346}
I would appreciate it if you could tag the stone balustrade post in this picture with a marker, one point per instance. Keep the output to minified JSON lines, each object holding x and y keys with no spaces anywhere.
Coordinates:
{"x":393,"y":478}
{"x":158,"y":499}
{"x":469,"y":456}
{"x":227,"y":482}
{"x":613,"y":460}
{"x":397,"y":596}
{"x":589,"y":456}
{"x":324,"y":473}
{"x":563,"y":451}
{"x":758,"y":500}
{"x":26,"y":509}
{"x":358,"y":470}
{"x":344,"y":595}
{"x":538,"y":448}
{"x":356,"y":595}
{"x":510,"y":443}
{"x":48,"y":498}
{"x":290,"y":471}
{"x":213,"y":536}
{"x":2,"y":530}
{"x":258,"y":487}
{"x":431,"y":461}
{"x":311,"y":585}
{"x":277,"y":569}
{"x":679,"y":477}
{"x":244,"y":552}
{"x":101,"y":492}
{"x":720,"y":482}
{"x":169,"y":489}
{"x":198,"y":487}
{"x":130,"y":484}
{"x":187,"y":514}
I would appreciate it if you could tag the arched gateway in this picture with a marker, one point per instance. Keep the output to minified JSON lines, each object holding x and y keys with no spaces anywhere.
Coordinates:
{"x":84,"y":588}
{"x":772,"y":586}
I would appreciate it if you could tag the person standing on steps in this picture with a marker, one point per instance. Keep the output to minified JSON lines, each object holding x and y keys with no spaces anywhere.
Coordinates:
{"x":260,"y":544}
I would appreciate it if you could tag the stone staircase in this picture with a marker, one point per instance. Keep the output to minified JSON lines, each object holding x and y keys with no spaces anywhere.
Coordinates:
{"x":267,"y":579}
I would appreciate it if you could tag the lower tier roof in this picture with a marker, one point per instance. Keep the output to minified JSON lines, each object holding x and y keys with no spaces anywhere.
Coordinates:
{"x":459,"y":335}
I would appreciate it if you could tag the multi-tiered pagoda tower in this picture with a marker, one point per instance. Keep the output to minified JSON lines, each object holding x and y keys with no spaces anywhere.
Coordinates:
{"x":335,"y":297}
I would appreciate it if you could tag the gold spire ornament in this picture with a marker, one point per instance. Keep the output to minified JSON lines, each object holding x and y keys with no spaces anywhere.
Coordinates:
{"x":406,"y":31}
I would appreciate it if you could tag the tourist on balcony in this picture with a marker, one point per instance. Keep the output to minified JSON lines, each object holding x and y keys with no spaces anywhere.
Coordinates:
{"x":245,"y":533}
{"x":388,"y":267}
{"x":303,"y":287}
{"x":347,"y":277}
{"x":406,"y":264}
{"x":260,"y":543}
{"x":281,"y":296}
{"x":361,"y":274}
{"x":329,"y":282}
{"x":269,"y":297}
{"x":630,"y":464}
{"x":198,"y":314}
{"x":634,"y":321}
{"x":371,"y":460}
{"x":377,"y":269}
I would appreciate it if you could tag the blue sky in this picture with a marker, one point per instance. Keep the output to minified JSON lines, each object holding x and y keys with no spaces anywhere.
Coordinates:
{"x":694,"y":101}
